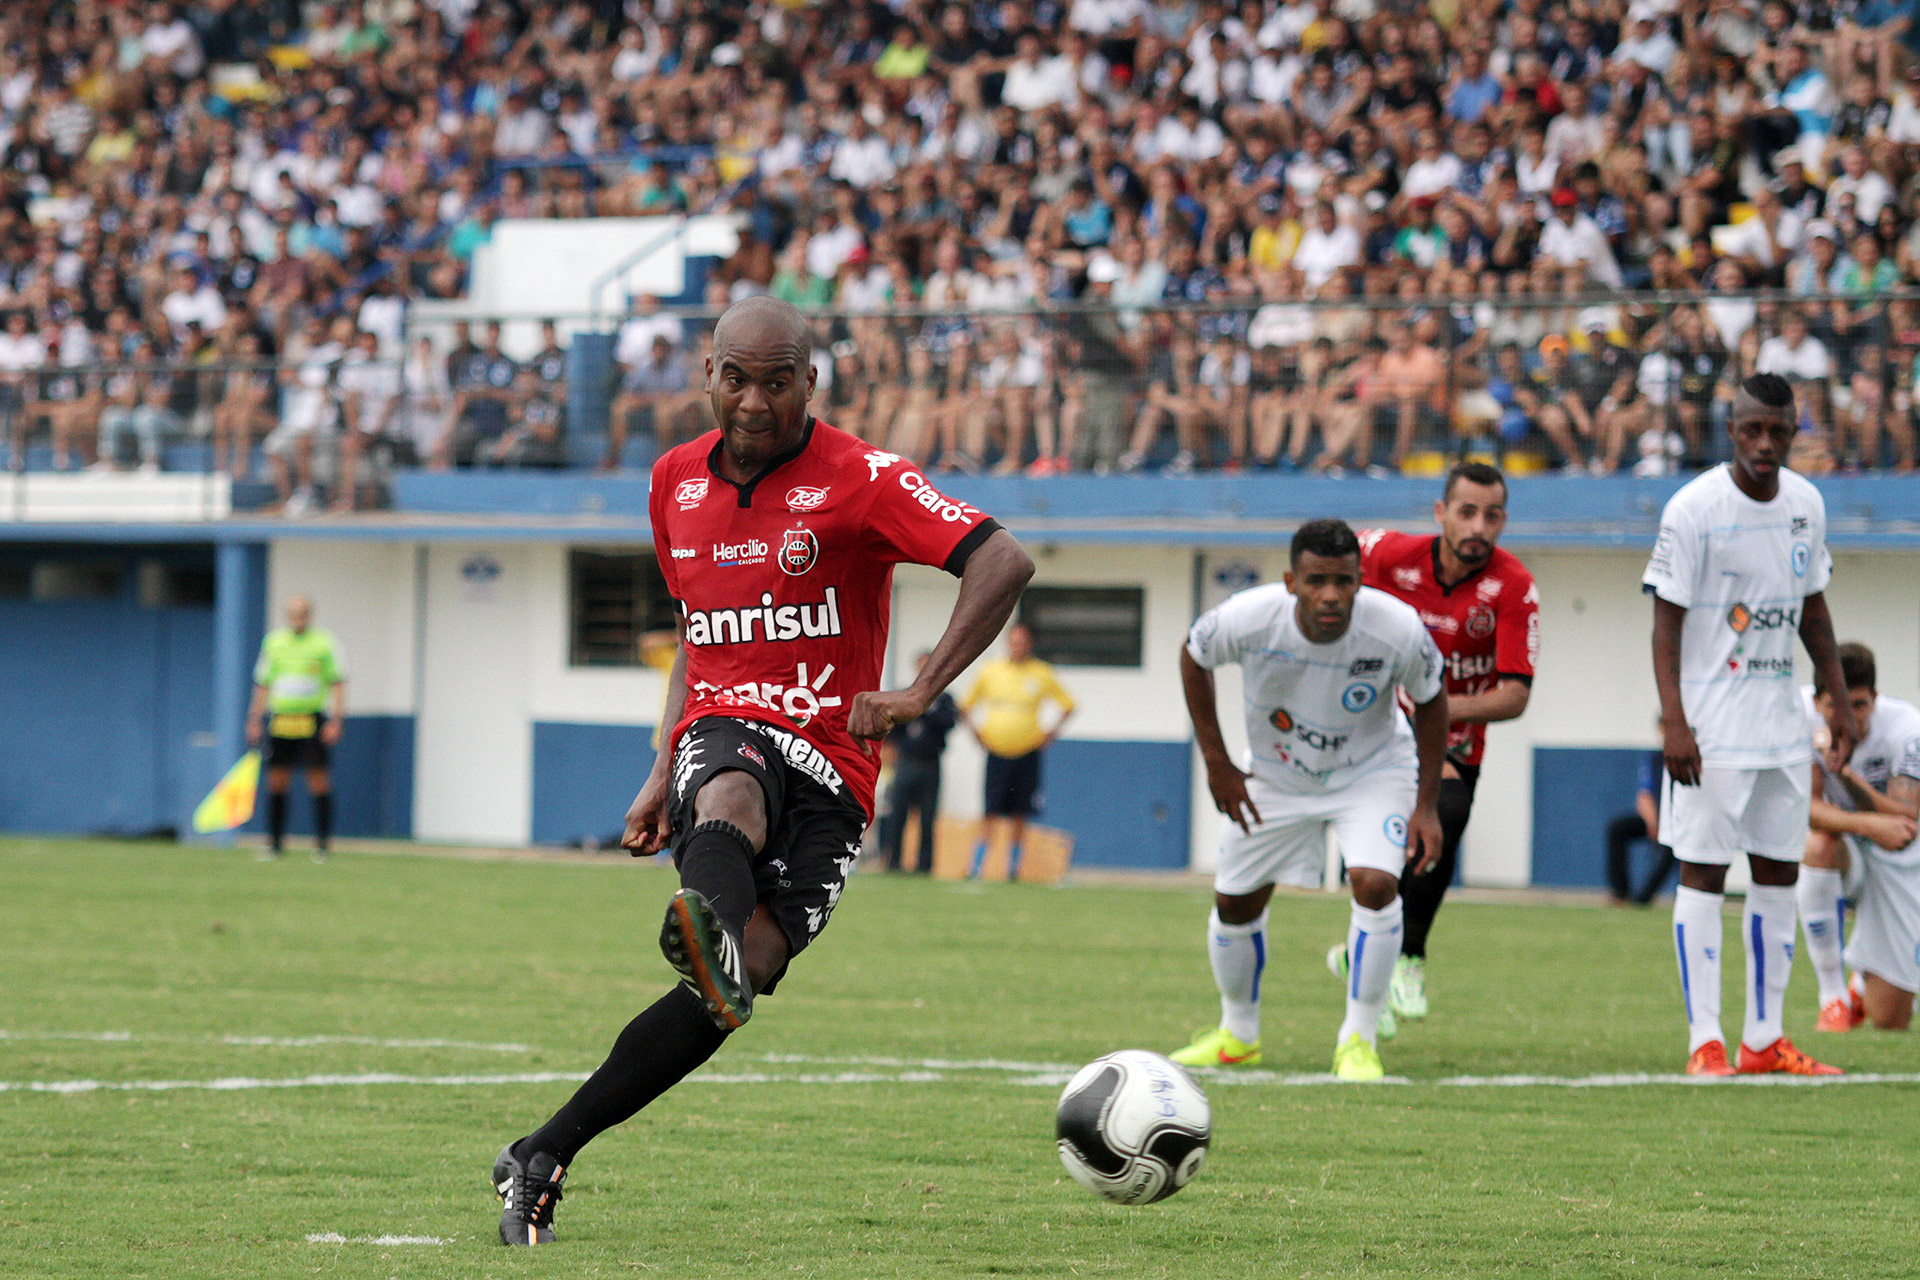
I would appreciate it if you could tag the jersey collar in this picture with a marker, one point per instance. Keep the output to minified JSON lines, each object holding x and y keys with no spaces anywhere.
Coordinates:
{"x":745,"y":491}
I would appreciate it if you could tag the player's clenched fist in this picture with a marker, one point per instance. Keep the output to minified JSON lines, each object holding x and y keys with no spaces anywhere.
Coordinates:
{"x":647,"y":828}
{"x":876,"y":714}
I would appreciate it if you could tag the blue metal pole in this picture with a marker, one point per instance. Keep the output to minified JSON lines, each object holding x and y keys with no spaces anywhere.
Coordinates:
{"x":239,"y":622}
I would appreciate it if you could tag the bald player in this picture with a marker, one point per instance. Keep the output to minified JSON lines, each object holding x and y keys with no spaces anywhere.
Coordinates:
{"x":777,"y":535}
{"x":1740,"y":568}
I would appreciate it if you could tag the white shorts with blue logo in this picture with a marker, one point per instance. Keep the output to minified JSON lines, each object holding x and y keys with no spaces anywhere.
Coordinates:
{"x":1289,"y":844}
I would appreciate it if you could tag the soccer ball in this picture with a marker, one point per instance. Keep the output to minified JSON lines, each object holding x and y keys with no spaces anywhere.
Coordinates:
{"x":1133,"y":1127}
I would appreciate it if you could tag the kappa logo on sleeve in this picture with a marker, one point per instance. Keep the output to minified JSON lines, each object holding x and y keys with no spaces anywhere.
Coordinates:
{"x":879,"y":461}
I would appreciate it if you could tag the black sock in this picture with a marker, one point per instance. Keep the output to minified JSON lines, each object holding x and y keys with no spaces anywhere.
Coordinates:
{"x":718,"y":863}
{"x":276,"y":819}
{"x":672,"y":1037}
{"x":322,"y":819}
{"x":1422,"y":895}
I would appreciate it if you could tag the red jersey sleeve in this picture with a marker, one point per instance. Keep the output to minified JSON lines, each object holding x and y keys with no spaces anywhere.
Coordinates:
{"x":1516,"y":647}
{"x":913,"y":522}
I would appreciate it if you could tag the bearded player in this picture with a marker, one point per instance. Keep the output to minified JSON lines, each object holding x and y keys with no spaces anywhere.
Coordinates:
{"x":777,"y":535}
{"x":1483,"y":610}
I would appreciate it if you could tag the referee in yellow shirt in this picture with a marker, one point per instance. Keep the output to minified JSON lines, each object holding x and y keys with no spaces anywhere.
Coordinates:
{"x":1013,"y":689}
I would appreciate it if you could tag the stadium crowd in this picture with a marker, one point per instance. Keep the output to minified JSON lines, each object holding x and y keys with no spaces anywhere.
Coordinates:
{"x":1326,"y":233}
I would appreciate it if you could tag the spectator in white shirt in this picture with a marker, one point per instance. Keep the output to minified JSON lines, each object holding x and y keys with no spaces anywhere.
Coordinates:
{"x":1572,"y":239}
{"x":1769,"y":238}
{"x":1869,"y":188}
{"x":190,"y":301}
{"x":1578,"y":132}
{"x":1326,"y":249}
{"x":1646,"y":42}
{"x":1433,"y":171}
{"x":862,"y":158}
{"x":1796,"y":355}
{"x":1034,"y":82}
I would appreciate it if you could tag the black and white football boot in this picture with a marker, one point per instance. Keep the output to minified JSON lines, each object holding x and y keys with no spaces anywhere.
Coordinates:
{"x":707,"y":958}
{"x":530,"y":1188}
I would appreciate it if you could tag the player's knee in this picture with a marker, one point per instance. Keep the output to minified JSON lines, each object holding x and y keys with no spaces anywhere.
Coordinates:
{"x":1241,"y":908}
{"x":734,"y":797}
{"x":1824,"y":851}
{"x":1372,"y":889}
{"x":767,"y":949}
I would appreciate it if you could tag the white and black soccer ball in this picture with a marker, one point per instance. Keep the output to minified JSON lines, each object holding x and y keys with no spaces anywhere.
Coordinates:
{"x":1133,"y":1127}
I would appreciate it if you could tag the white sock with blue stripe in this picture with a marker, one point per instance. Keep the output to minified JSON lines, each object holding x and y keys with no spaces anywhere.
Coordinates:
{"x":1822,"y":915}
{"x":1696,"y":942}
{"x":1373,"y":945}
{"x":1238,"y":953}
{"x":1767,"y":928}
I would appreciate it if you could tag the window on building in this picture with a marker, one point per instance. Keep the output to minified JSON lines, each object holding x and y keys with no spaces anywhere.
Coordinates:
{"x":617,"y":598}
{"x":1086,"y":626}
{"x":75,"y":580}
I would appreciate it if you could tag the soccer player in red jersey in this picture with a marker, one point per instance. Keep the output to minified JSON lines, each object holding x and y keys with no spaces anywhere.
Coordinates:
{"x":1483,"y":610}
{"x":777,"y":535}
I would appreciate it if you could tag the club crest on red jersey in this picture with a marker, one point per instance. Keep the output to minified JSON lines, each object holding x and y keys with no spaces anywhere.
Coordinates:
{"x":799,"y":549}
{"x":1480,"y":622}
{"x":805,"y":497}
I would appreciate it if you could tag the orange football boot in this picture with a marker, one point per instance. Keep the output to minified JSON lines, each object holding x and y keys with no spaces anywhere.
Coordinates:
{"x":1783,"y":1057}
{"x":1710,"y":1059}
{"x":1841,"y":1014}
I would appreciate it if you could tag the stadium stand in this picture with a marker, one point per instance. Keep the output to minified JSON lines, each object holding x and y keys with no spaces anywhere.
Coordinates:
{"x":1096,"y":234}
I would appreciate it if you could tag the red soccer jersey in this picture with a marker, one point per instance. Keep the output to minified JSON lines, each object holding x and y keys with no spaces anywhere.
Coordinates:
{"x":1487,"y":626}
{"x":786,"y":585}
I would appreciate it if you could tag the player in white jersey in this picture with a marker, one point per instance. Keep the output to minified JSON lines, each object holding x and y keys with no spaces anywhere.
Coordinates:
{"x":1321,"y":658}
{"x":1863,"y":822}
{"x":1741,"y":565}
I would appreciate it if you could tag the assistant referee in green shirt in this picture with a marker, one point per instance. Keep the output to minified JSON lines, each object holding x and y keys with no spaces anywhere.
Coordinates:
{"x":299,"y":702}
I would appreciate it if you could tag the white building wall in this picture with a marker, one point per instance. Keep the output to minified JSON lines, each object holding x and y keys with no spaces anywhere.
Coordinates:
{"x":473,"y":773}
{"x":363,"y":592}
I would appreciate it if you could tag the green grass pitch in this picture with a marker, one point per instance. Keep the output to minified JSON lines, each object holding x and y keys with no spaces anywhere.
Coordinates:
{"x":795,"y":1154}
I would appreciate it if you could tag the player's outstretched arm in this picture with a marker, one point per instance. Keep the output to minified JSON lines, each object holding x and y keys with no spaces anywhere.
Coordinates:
{"x":1430,"y":720}
{"x":990,"y":585}
{"x":1226,"y":781}
{"x":647,"y":829}
{"x":1816,"y":632}
{"x":1507,"y":700}
{"x":1681,"y":751}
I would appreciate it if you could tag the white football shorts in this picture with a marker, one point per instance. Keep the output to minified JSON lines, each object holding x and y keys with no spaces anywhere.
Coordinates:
{"x":1738,"y":811}
{"x":1886,"y":925}
{"x":1289,"y":844}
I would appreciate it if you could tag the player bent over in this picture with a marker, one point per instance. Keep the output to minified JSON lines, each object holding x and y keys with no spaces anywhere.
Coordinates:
{"x":777,"y":535}
{"x":1321,"y":658}
{"x":1863,"y":814}
{"x":1740,"y":566}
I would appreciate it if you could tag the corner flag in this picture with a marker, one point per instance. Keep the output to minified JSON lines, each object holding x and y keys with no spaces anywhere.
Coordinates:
{"x":230,"y":803}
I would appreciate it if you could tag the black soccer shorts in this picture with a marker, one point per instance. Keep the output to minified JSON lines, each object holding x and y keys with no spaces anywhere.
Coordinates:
{"x":288,"y":747}
{"x":813,"y":833}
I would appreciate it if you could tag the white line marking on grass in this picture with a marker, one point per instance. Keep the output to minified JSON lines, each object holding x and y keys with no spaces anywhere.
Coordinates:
{"x":271,"y":1042}
{"x":930,"y":1071}
{"x":334,"y":1237}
